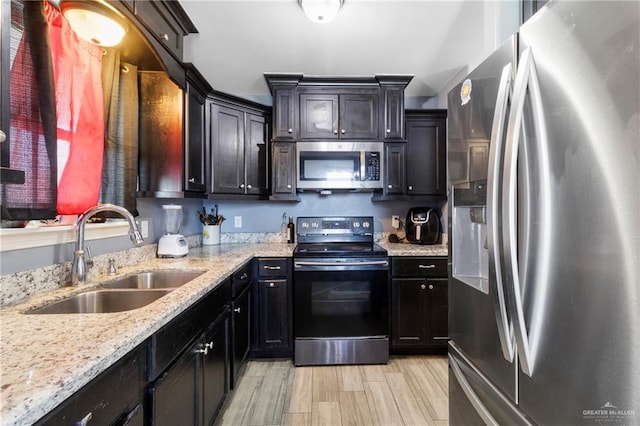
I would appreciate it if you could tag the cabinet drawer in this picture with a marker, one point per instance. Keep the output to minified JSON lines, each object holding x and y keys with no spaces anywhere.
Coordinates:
{"x":170,"y":340}
{"x":240,"y":280}
{"x":272,"y":267}
{"x":419,"y":266}
{"x":161,"y":24}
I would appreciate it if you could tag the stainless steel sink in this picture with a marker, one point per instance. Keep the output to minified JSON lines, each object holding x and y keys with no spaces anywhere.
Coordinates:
{"x":102,"y":301}
{"x":155,"y":279}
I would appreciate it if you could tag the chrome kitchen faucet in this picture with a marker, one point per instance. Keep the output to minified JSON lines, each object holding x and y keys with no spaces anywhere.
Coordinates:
{"x":79,"y":266}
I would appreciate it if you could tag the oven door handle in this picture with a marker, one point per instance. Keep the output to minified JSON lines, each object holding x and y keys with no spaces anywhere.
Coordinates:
{"x":299,"y":263}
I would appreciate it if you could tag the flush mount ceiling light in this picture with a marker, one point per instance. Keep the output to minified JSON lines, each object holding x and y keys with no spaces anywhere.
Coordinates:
{"x":95,"y":21}
{"x":321,"y":11}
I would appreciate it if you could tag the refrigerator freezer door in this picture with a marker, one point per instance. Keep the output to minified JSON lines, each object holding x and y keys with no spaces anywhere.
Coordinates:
{"x":581,"y":294}
{"x":473,"y":310}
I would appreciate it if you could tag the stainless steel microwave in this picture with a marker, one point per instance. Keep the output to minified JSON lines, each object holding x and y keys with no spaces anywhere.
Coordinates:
{"x":340,"y":165}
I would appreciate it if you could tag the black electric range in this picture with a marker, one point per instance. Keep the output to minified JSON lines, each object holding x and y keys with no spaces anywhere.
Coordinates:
{"x":340,"y":292}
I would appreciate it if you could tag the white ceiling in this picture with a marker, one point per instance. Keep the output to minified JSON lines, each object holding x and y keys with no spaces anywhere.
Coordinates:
{"x":436,"y":41}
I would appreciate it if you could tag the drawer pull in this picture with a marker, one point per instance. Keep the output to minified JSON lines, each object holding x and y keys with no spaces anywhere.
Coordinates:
{"x":426,"y":266}
{"x":244,"y":276}
{"x":164,"y":37}
{"x":272,"y":285}
{"x":85,"y":420}
{"x":236,"y":310}
{"x":430,"y":286}
{"x":271,"y":268}
{"x":422,"y":286}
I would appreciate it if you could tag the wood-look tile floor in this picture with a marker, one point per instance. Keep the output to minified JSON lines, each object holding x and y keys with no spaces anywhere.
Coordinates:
{"x":409,"y":390}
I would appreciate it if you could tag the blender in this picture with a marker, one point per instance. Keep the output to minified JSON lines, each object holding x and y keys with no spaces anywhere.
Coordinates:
{"x":172,"y":244}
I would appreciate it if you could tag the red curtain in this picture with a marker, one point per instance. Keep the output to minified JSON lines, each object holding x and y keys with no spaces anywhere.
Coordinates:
{"x":80,"y":115}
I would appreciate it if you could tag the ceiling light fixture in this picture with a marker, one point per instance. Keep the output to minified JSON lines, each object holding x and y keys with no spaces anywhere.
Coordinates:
{"x":321,"y":11}
{"x":95,"y":21}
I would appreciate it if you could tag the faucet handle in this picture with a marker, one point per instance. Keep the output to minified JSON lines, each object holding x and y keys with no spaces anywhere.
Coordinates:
{"x":88,"y":257}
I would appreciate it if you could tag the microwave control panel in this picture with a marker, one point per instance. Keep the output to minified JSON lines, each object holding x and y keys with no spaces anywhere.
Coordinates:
{"x":372,"y":165}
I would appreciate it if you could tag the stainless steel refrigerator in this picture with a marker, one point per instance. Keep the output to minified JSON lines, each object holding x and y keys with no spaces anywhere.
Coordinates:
{"x":544,"y":223}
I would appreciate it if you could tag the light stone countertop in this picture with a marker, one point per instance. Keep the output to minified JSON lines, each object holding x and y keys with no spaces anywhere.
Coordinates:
{"x":44,"y":359}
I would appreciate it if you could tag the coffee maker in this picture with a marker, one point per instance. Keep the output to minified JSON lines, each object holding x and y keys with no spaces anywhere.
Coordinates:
{"x":172,"y":243}
{"x":423,"y":225}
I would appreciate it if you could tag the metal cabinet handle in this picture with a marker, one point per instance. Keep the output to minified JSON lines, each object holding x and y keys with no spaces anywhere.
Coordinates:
{"x":271,"y":268}
{"x":209,"y":345}
{"x":422,"y":286}
{"x":290,"y":130}
{"x":388,"y":130}
{"x":343,"y":131}
{"x":242,"y":185}
{"x":410,"y":187}
{"x":164,"y":37}
{"x":249,"y":186}
{"x":427,"y":266}
{"x":192,"y":180}
{"x":244,"y":276}
{"x":288,"y":186}
{"x":236,"y":310}
{"x":3,"y":136}
{"x":272,"y":285}
{"x":335,"y":132}
{"x":430,"y":286}
{"x":83,"y":421}
{"x":390,"y":186}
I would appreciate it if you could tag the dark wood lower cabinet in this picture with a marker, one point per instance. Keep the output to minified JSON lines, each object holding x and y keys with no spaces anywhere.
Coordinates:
{"x":173,"y":395}
{"x":272,"y":333}
{"x":214,"y":370}
{"x":419,"y":297}
{"x":241,"y":331}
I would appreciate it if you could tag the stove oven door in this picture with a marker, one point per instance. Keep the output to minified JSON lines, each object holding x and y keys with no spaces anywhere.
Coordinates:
{"x":341,"y":312}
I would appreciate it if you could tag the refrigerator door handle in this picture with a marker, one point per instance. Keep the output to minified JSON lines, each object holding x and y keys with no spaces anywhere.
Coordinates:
{"x":482,"y":411}
{"x":526,"y":78}
{"x":494,"y":178}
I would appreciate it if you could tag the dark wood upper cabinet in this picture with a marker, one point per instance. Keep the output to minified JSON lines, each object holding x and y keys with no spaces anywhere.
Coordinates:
{"x":196,"y":131}
{"x":426,"y":152}
{"x":239,"y":148}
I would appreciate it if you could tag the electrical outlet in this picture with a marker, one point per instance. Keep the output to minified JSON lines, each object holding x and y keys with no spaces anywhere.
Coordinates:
{"x":143,"y":225}
{"x":237,"y":221}
{"x":395,"y":221}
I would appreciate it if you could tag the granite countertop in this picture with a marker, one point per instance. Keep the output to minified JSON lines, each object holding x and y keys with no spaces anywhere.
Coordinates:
{"x":406,"y":249}
{"x":46,"y":358}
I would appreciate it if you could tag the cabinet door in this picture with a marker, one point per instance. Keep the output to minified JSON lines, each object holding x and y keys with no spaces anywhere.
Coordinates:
{"x":195,"y":154}
{"x":393,"y":113}
{"x":358,"y":116}
{"x":426,"y":154}
{"x":394,"y":168}
{"x":255,"y":155}
{"x":273,"y":318}
{"x":240,"y":325}
{"x":227,"y":150}
{"x":318,"y":116}
{"x":437,"y":311}
{"x":409,"y":298}
{"x":283,"y":159}
{"x":284,"y":118}
{"x":173,"y":395}
{"x":214,"y":370}
{"x":161,"y":146}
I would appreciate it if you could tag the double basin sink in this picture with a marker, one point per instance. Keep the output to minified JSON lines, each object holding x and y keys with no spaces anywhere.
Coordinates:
{"x":127,"y":293}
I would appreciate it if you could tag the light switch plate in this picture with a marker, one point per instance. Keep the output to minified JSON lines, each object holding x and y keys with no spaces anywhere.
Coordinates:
{"x":237,"y":221}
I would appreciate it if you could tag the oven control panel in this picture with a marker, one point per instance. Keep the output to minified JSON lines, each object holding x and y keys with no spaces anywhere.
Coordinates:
{"x":360,"y":225}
